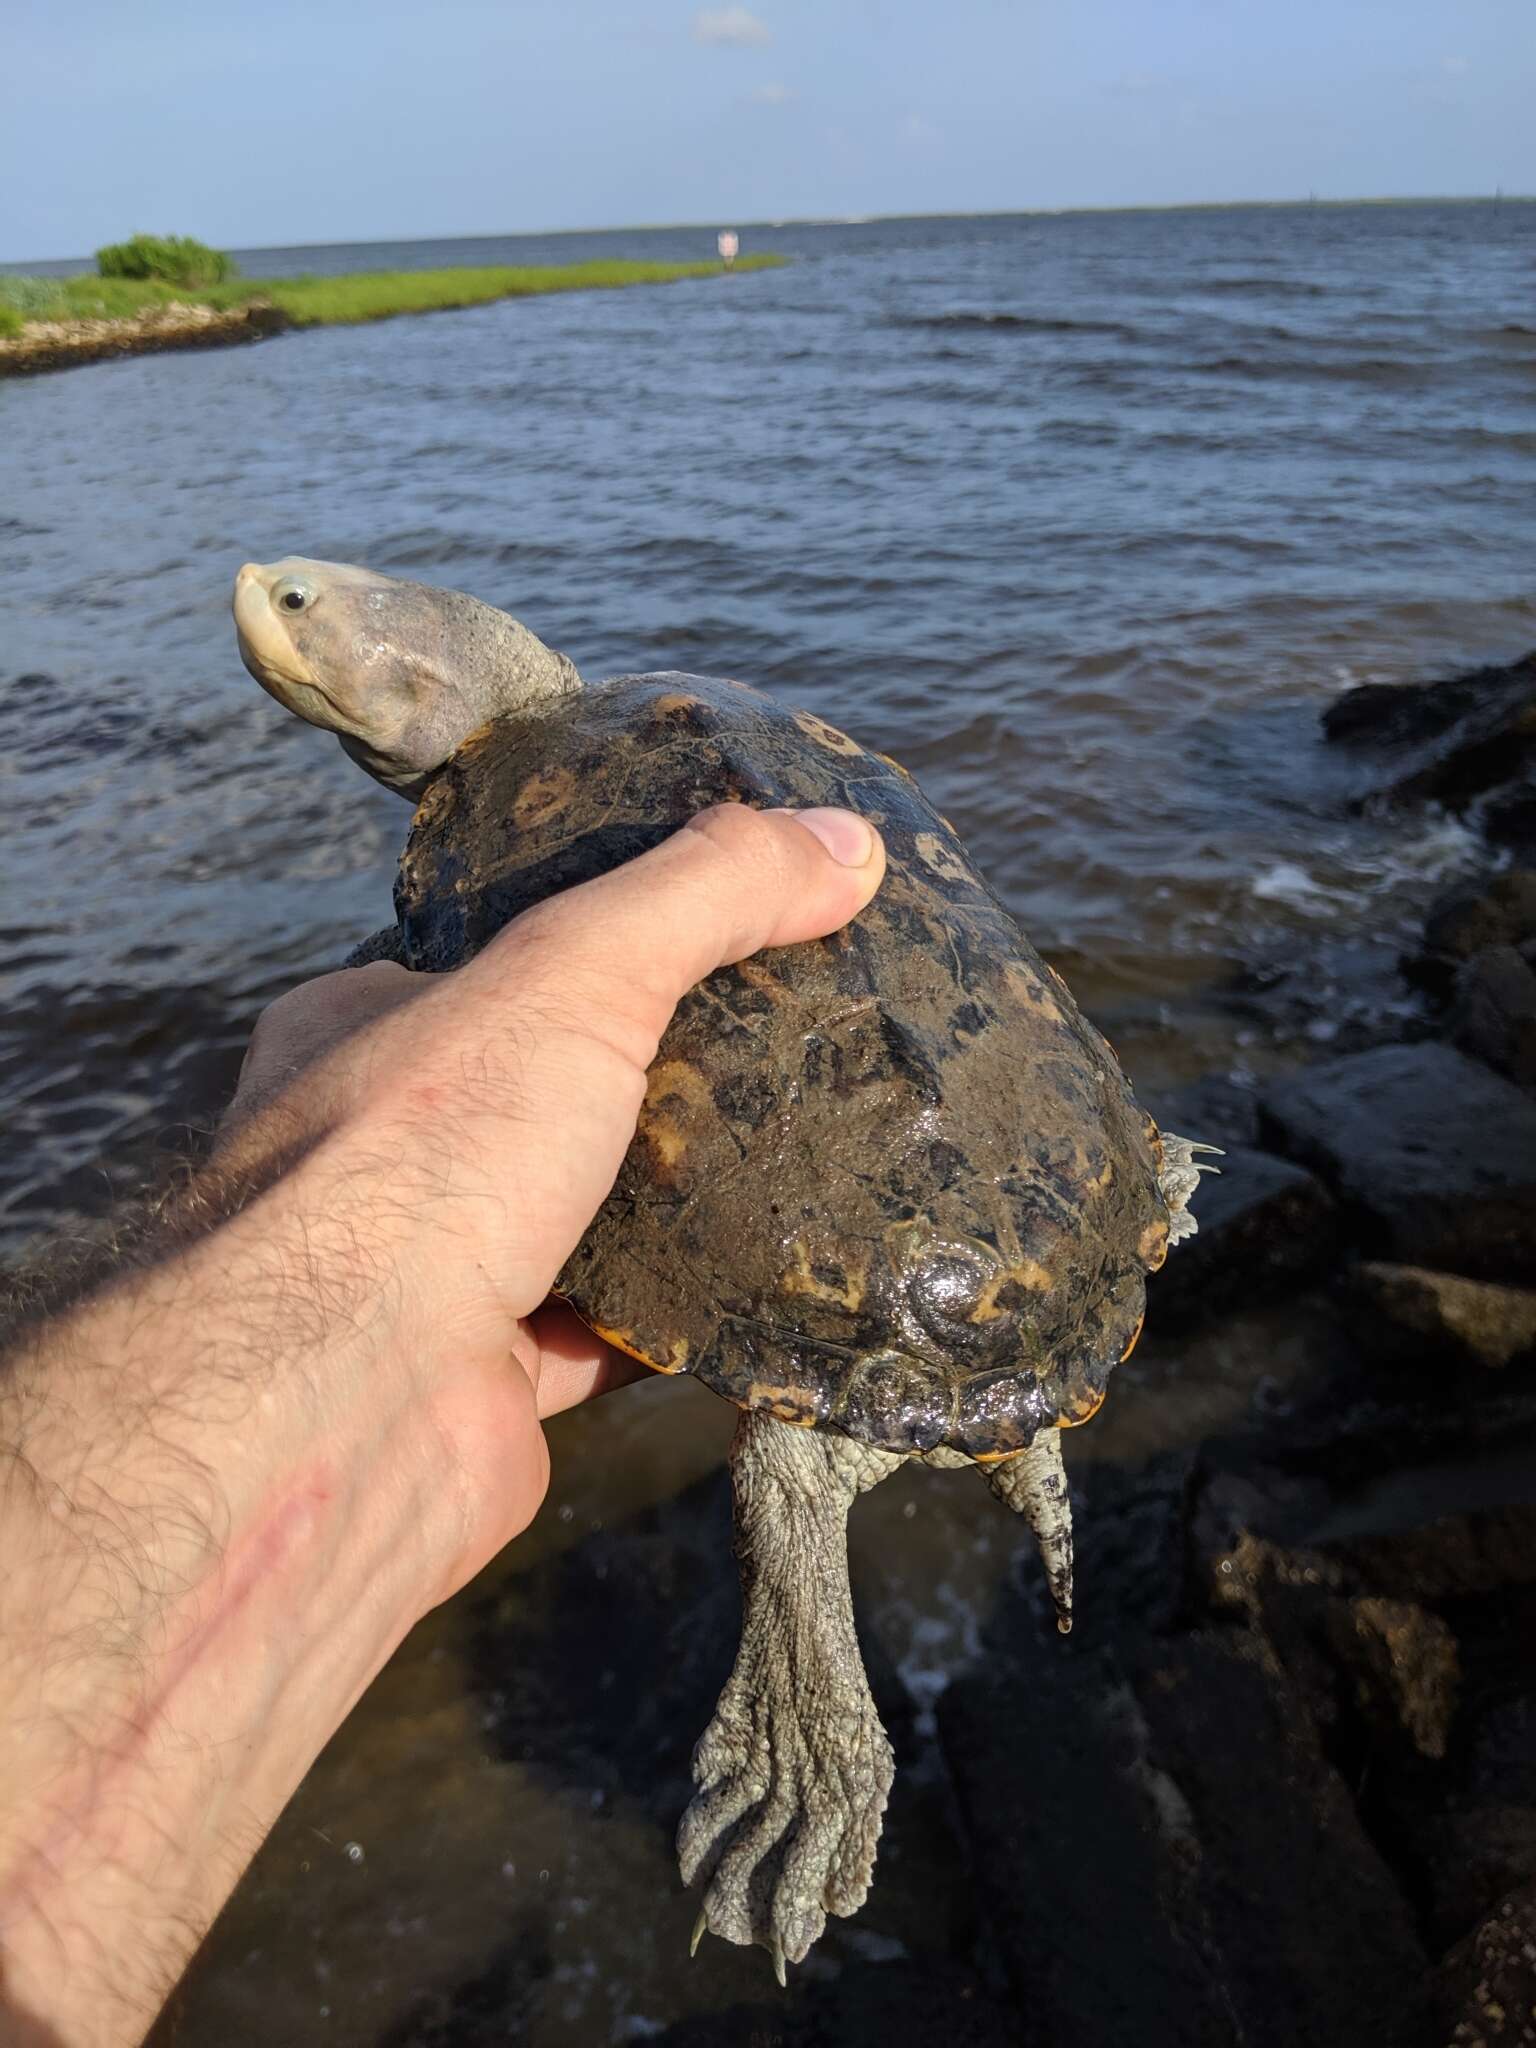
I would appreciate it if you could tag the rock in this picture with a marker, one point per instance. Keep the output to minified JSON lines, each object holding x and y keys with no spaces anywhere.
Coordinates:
{"x":1354,"y":1657}
{"x":1495,"y":1014}
{"x":1406,"y":714}
{"x":1509,"y":819}
{"x":1404,"y":1636}
{"x":1266,"y":1226}
{"x":1229,"y":1892}
{"x":1469,"y":919}
{"x":1467,"y":1835}
{"x":1462,"y":736}
{"x":1487,"y":1987}
{"x":867,"y":2005}
{"x":1433,"y":1156}
{"x":1405,"y":1666}
{"x":1214,"y":1109}
{"x":1441,"y":1317}
{"x":1500,"y":912}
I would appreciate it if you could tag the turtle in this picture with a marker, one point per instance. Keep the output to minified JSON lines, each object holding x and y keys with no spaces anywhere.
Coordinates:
{"x":889,"y":1192}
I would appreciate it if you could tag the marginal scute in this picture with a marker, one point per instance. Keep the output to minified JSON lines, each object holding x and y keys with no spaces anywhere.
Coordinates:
{"x":786,"y":1404}
{"x":890,"y":1182}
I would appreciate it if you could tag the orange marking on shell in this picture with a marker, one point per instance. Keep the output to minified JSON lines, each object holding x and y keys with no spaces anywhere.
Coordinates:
{"x":673,"y":702}
{"x":1152,"y":1245}
{"x":1081,"y":1410}
{"x":1027,"y":1273}
{"x":627,"y":1342}
{"x":801,"y":1279}
{"x":1033,"y":990}
{"x":1133,"y":1339}
{"x":542,"y":797}
{"x":665,"y":1139}
{"x":943,"y":860}
{"x":826,"y":735}
{"x":785,"y":1404}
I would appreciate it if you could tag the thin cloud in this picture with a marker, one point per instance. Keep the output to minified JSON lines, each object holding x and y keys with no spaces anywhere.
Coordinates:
{"x":770,"y":96}
{"x":1454,"y":65}
{"x":735,"y":27}
{"x":917,"y":128}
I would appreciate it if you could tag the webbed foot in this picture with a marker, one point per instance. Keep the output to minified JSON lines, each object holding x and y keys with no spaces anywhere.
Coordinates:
{"x":793,"y":1775}
{"x":794,"y":1770}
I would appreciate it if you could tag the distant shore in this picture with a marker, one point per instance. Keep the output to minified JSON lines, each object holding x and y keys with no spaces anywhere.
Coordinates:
{"x":58,"y":323}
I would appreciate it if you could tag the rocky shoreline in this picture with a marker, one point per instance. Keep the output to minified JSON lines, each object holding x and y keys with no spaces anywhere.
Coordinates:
{"x":63,"y":344}
{"x":1301,"y":1731}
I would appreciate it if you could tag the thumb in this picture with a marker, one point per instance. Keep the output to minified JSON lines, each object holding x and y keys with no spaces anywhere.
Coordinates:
{"x":732,"y":881}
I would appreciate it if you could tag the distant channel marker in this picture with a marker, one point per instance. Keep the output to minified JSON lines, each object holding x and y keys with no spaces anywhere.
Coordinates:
{"x":79,"y":322}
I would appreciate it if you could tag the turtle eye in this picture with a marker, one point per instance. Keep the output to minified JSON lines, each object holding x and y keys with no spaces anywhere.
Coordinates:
{"x":293,"y":594}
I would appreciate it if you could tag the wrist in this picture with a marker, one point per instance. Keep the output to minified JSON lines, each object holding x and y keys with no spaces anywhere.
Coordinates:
{"x":233,"y":1494}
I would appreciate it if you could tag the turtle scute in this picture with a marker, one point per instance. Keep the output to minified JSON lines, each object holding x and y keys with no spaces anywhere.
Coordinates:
{"x":888,"y":1182}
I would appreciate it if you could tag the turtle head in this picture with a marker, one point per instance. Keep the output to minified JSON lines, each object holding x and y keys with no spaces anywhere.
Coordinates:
{"x":400,"y":672}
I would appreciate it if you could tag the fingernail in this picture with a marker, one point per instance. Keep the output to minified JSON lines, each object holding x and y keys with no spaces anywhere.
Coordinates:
{"x":843,"y":833}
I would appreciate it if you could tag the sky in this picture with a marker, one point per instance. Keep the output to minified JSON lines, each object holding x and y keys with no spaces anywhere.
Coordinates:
{"x":355,"y":120}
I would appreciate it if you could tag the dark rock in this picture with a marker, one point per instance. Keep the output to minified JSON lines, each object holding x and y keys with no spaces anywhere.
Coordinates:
{"x":1500,"y":912}
{"x":1487,"y":1987}
{"x":1469,"y":919}
{"x":1465,"y":1834}
{"x":1433,"y":1155}
{"x":1266,"y":1226}
{"x":1405,"y":714}
{"x":1441,"y":1318}
{"x":1390,"y":1665}
{"x":1408,"y":1650}
{"x":1197,"y":1873}
{"x":1509,"y":819}
{"x":1462,"y":736}
{"x":1215,"y":1110}
{"x":1404,"y":1663}
{"x":886,"y":2004}
{"x":1495,"y":1014}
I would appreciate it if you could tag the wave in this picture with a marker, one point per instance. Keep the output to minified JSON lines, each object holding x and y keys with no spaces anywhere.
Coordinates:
{"x":1271,"y":287}
{"x":1021,"y":323}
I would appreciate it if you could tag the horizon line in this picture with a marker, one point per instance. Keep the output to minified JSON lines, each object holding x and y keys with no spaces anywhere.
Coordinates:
{"x":834,"y":220}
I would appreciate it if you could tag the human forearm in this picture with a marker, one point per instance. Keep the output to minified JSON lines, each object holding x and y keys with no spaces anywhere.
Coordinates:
{"x":212,"y":1544}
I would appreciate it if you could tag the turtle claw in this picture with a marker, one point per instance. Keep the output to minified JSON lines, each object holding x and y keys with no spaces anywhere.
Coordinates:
{"x":776,"y":1950}
{"x":700,"y":1929}
{"x":1178,"y":1180}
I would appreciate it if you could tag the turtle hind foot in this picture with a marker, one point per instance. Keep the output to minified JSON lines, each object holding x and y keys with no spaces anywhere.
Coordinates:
{"x":1179,"y":1178}
{"x":784,"y":1827}
{"x":794,"y":1769}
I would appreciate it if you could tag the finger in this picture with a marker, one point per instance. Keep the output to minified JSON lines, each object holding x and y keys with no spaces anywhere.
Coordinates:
{"x":732,"y":881}
{"x":307,"y":1022}
{"x":570,"y":1363}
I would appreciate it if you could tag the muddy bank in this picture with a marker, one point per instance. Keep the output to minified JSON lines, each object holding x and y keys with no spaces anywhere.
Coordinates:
{"x":62,"y":344}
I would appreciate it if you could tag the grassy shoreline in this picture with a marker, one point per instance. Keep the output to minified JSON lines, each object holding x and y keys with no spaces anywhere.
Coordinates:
{"x":49,"y":323}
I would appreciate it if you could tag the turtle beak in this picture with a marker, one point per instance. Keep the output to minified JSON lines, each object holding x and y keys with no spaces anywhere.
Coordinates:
{"x":268,"y":651}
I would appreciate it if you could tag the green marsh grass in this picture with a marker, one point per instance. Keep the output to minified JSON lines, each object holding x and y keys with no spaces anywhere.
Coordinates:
{"x":333,"y":301}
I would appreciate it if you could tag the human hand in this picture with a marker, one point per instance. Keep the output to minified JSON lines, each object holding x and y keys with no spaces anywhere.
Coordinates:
{"x":231,"y":1482}
{"x":482,"y":1117}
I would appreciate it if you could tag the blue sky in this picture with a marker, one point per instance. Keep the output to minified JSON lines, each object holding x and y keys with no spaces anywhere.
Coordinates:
{"x":334,"y":120}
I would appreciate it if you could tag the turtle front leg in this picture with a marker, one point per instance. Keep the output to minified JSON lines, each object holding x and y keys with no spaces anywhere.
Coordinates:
{"x":793,"y":1771}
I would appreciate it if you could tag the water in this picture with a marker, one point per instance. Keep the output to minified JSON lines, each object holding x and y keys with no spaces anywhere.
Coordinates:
{"x":1083,"y":517}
